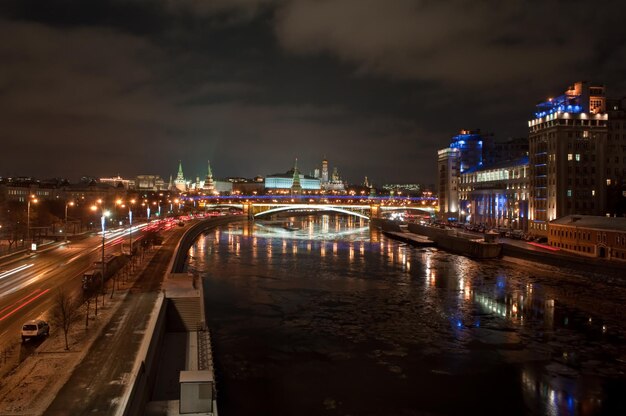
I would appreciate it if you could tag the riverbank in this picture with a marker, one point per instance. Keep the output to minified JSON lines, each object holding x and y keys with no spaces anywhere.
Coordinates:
{"x":509,"y":249}
{"x":475,"y":246}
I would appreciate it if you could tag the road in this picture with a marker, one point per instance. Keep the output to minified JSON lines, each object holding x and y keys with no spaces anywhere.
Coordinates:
{"x":98,"y":392}
{"x":28,"y":285}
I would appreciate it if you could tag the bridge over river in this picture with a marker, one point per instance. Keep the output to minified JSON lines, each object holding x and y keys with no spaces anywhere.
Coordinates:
{"x":258,"y":206}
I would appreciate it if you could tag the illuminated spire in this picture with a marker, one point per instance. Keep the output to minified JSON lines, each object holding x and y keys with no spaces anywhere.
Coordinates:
{"x":209,"y":185}
{"x":180,"y":175}
{"x":296,"y":188}
{"x":179,"y":182}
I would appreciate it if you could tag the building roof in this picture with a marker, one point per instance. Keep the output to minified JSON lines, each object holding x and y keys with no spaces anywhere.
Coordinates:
{"x":593,"y":221}
{"x":288,"y":174}
{"x":499,"y":165}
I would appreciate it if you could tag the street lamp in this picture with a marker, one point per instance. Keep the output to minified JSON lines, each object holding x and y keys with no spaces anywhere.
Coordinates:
{"x":130,"y":230}
{"x":34,"y":201}
{"x":118,"y":203}
{"x":71,"y":204}
{"x":103,"y":223}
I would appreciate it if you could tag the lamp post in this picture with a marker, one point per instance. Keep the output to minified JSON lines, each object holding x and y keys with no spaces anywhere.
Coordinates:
{"x":34,"y":201}
{"x":103,"y":224}
{"x":71,"y":204}
{"x":118,"y":203}
{"x":130,"y":230}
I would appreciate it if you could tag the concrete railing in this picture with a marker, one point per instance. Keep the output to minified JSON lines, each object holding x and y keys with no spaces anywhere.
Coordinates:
{"x":144,"y":369}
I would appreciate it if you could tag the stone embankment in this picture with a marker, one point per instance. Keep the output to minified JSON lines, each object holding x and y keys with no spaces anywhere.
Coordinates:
{"x":453,"y":240}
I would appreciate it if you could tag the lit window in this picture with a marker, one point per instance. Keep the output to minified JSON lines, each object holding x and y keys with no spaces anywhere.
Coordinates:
{"x":577,"y":157}
{"x":608,"y":182}
{"x":570,"y":156}
{"x":569,"y":192}
{"x":593,"y":192}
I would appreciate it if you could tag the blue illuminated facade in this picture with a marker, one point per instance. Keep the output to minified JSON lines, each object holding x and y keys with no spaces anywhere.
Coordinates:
{"x":563,"y":104}
{"x":470,"y":144}
{"x":496,"y":196}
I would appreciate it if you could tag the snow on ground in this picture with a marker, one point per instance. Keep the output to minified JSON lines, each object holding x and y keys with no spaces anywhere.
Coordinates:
{"x":31,"y":387}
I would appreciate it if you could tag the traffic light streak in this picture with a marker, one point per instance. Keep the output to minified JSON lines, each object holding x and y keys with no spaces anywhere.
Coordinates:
{"x":13,"y":271}
{"x":22,"y":302}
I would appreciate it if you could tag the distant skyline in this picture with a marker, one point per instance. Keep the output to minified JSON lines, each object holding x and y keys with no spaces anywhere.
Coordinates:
{"x":104,"y":87}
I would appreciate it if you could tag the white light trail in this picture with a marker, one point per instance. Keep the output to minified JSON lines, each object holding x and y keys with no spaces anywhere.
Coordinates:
{"x":16,"y":270}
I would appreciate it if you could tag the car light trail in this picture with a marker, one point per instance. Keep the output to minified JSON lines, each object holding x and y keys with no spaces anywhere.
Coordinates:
{"x":544,"y":246}
{"x":32,"y":297}
{"x":18,"y":301}
{"x":16,"y":270}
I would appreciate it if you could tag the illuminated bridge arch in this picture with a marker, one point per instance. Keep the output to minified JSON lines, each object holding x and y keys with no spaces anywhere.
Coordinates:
{"x":311,"y":207}
{"x":227,"y":205}
{"x":426,"y":210}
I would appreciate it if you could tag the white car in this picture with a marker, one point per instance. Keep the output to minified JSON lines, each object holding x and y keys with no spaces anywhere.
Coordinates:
{"x":35,"y":329}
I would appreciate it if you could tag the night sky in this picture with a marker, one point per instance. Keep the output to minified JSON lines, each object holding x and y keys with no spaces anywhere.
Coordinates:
{"x":95,"y":87}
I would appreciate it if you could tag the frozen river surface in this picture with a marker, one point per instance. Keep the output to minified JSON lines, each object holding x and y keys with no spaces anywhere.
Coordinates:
{"x":332,"y":319}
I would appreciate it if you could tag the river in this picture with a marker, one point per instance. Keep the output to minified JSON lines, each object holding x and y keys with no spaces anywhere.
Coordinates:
{"x":325,"y":317}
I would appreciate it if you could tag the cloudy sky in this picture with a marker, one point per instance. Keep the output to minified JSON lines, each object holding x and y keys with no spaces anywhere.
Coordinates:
{"x":102,"y":87}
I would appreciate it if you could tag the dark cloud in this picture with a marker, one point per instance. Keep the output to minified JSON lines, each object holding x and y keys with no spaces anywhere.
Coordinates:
{"x":460,"y":42}
{"x":104,"y":87}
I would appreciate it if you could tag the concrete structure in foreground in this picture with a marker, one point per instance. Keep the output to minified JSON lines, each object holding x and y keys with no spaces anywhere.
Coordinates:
{"x":173,"y":372}
{"x":184,"y":379}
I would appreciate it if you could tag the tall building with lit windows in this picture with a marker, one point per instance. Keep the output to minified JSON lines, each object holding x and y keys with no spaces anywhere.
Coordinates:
{"x":567,"y":143}
{"x":616,"y":157}
{"x":447,"y":179}
{"x":466,"y":151}
{"x":472,"y":145}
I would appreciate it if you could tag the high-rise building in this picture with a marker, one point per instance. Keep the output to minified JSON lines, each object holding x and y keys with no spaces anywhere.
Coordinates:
{"x":466,"y":151}
{"x":567,"y":144}
{"x":616,"y":157}
{"x":503,"y":150}
{"x":472,"y":145}
{"x":448,"y":176}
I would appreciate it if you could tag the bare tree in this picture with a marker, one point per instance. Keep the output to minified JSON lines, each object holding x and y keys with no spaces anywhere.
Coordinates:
{"x":88,"y":296}
{"x":66,"y":311}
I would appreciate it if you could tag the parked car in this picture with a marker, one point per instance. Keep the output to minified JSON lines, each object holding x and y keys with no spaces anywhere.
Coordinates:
{"x":35,"y":329}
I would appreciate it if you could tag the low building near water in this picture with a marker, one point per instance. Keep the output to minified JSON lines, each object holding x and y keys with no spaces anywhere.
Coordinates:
{"x":590,"y":235}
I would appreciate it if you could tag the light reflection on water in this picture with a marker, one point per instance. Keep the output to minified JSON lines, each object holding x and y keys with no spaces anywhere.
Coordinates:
{"x":336,"y":289}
